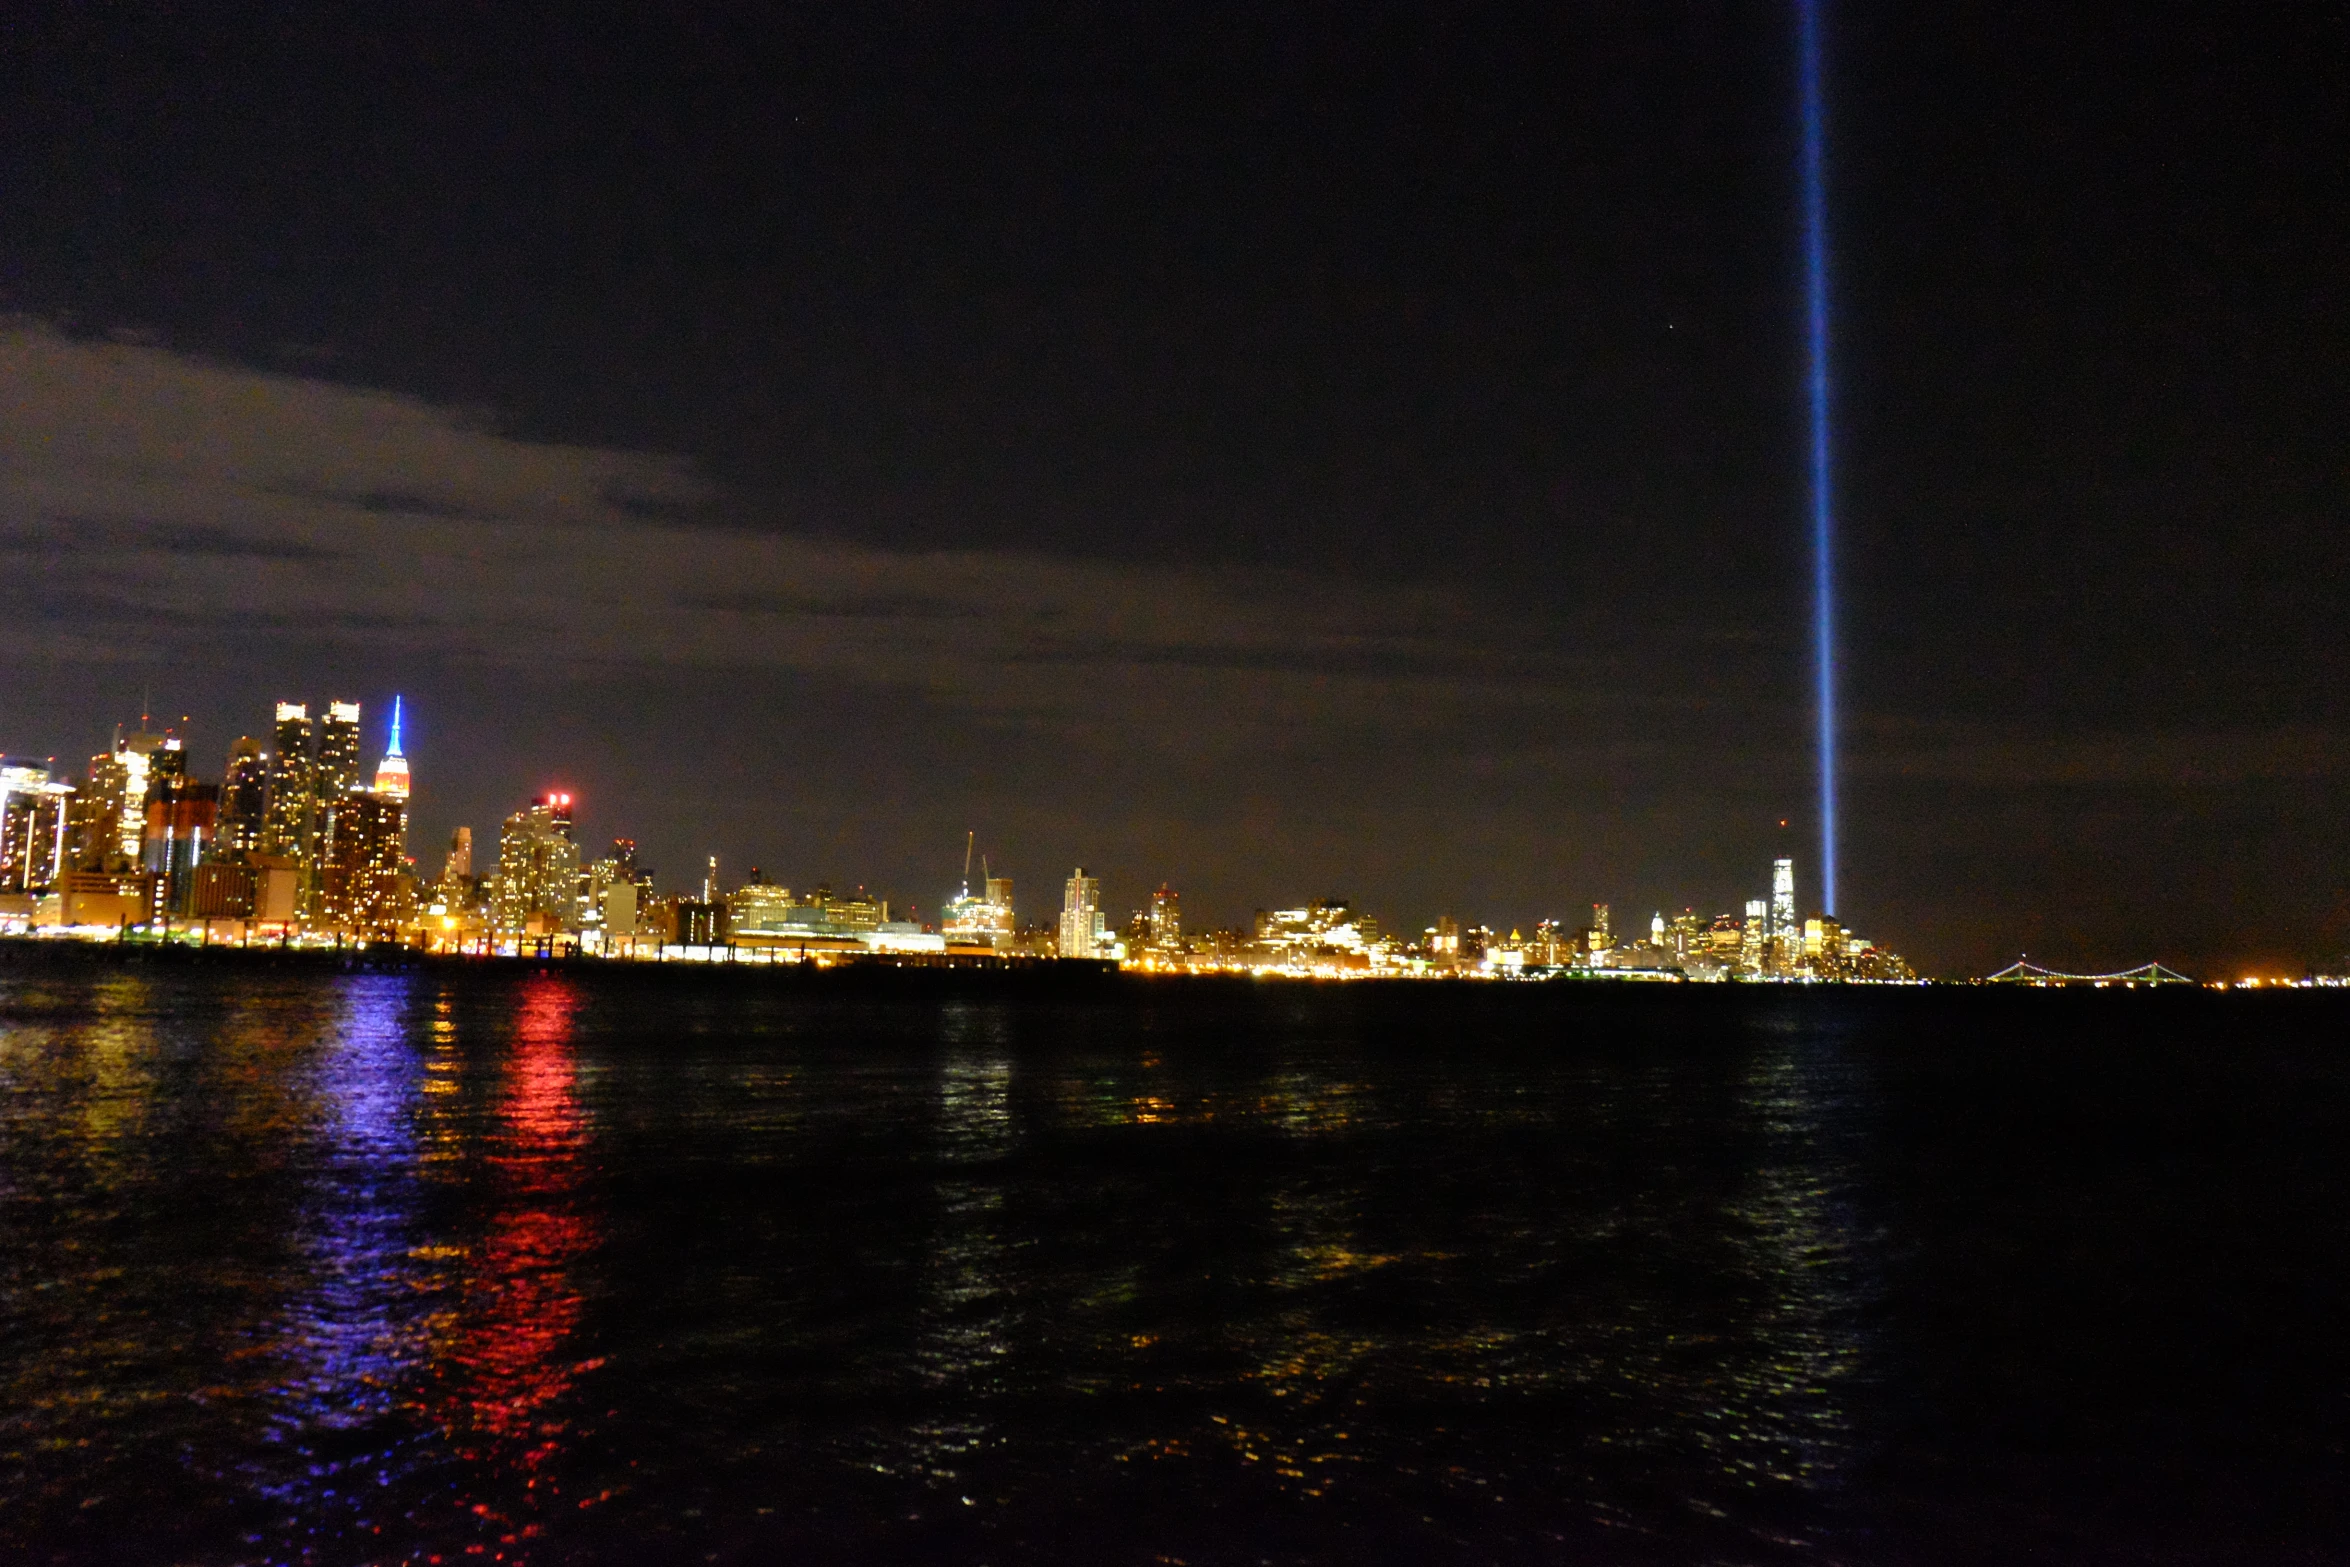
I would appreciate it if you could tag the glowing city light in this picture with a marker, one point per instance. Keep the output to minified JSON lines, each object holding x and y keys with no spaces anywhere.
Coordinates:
{"x":1815,"y":256}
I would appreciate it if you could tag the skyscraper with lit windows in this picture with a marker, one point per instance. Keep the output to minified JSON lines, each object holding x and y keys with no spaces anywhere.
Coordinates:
{"x":536,"y":887}
{"x":288,"y":823}
{"x":244,"y":798}
{"x":33,"y":828}
{"x":1786,"y":926}
{"x":1081,"y":916}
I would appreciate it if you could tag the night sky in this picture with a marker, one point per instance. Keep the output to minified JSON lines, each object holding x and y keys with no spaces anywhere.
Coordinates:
{"x":1351,"y":451}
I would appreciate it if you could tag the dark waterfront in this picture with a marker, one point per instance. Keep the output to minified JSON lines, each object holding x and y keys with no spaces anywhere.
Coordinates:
{"x":499,"y":1264}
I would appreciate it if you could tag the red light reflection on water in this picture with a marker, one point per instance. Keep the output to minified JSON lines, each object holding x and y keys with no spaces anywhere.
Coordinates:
{"x":503,"y":1360}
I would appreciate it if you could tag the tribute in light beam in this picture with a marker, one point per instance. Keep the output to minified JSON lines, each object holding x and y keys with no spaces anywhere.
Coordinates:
{"x":1815,"y":259}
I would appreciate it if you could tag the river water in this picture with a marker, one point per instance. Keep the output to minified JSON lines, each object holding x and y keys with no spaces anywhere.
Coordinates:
{"x":551,"y":1265}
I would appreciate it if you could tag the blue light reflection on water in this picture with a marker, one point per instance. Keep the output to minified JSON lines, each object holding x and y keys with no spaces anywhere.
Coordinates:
{"x":354,"y":1334}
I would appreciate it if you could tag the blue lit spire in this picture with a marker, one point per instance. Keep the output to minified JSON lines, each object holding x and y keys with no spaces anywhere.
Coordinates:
{"x":391,"y":775}
{"x":1815,"y":256}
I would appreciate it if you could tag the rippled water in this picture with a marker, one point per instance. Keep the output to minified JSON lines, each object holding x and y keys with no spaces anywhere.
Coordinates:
{"x":549,"y":1266}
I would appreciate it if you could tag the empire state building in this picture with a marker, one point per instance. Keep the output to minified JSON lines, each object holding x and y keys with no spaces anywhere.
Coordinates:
{"x":391,"y":775}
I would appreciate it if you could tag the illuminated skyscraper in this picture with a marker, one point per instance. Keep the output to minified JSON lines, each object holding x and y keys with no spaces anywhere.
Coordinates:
{"x":244,"y":798}
{"x":337,"y":775}
{"x":1754,"y":950}
{"x":1166,"y":921}
{"x":178,"y":835}
{"x":148,"y":761}
{"x":391,"y":775}
{"x":1081,"y":916}
{"x":289,"y":822}
{"x":94,"y":828}
{"x":338,"y":750}
{"x":363,"y":883}
{"x":537,"y":883}
{"x":1786,"y":927}
{"x":33,"y":828}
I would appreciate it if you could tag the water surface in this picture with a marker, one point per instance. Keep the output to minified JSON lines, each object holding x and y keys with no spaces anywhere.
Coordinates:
{"x":550,"y":1265}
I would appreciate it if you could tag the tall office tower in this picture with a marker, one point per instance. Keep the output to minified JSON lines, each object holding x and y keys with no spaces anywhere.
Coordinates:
{"x":1656,"y":930}
{"x":244,"y":798}
{"x":1786,"y":928}
{"x":148,"y":760}
{"x":710,"y":881}
{"x":33,"y":828}
{"x":94,"y":831}
{"x":288,"y":822}
{"x":1081,"y":915}
{"x":624,"y":856}
{"x":1689,"y":933}
{"x":458,"y":869}
{"x":182,"y":820}
{"x":363,"y":883}
{"x":537,"y":880}
{"x":337,"y":772}
{"x":1601,"y":937}
{"x":391,"y":774}
{"x":338,"y":750}
{"x":1166,"y":919}
{"x":1754,"y":949}
{"x":167,"y":759}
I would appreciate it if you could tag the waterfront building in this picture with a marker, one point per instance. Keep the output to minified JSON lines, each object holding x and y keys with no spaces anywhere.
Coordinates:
{"x":94,"y":818}
{"x":535,"y":889}
{"x":182,"y":822}
{"x":149,"y":763}
{"x":1786,"y":927}
{"x":1165,"y":932}
{"x":335,"y":778}
{"x":107,"y":822}
{"x":244,"y":798}
{"x":1690,"y":935}
{"x":701,"y":923}
{"x":221,"y":888}
{"x":761,"y":907}
{"x":34,"y":825}
{"x":363,"y":884}
{"x":1325,"y":931}
{"x":1444,"y":941}
{"x":338,"y":751}
{"x":1081,"y":929}
{"x":985,"y":921}
{"x":1754,"y":950}
{"x":108,"y":900}
{"x":292,"y":806}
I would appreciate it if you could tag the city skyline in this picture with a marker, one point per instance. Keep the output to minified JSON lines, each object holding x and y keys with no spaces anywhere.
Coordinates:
{"x":301,"y":837}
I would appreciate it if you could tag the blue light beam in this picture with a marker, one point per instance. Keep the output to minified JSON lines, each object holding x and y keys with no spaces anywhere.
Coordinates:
{"x":1815,"y":259}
